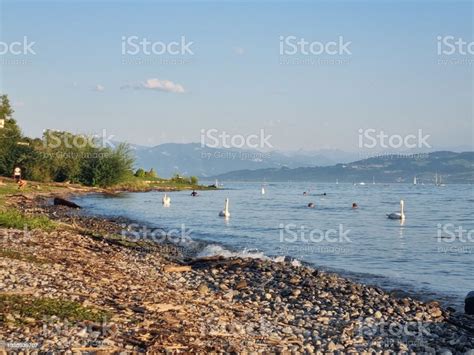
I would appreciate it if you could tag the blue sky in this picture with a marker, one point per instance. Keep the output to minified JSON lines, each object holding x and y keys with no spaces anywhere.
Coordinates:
{"x":235,"y":81}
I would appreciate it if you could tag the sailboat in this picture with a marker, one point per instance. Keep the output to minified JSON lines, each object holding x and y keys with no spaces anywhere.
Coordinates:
{"x":337,"y":182}
{"x":373,"y":180}
{"x":414,"y":180}
{"x":263,"y":190}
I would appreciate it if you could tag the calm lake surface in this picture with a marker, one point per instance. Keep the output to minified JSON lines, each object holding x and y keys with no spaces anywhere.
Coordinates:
{"x":426,"y":255}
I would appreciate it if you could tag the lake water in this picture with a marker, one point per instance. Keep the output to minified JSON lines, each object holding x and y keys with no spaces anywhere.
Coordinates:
{"x":426,"y":255}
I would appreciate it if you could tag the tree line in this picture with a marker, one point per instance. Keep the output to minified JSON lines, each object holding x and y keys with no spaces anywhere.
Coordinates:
{"x":61,"y":156}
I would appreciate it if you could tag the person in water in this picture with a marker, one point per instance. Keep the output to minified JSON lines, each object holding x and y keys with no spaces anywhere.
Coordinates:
{"x":305,"y":193}
{"x":194,"y":193}
{"x":310,"y":205}
{"x":354,"y":205}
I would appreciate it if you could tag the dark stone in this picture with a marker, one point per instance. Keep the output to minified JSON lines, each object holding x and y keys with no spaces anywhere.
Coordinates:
{"x":62,"y":202}
{"x":469,"y":303}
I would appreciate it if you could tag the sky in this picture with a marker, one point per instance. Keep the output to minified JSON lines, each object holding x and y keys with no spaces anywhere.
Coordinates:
{"x":234,"y":77}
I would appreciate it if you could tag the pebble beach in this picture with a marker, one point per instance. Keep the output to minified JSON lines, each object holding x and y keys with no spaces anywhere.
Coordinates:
{"x":142,"y":297}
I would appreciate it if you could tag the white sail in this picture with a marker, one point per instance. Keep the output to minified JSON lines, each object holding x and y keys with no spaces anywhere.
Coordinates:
{"x":414,"y":180}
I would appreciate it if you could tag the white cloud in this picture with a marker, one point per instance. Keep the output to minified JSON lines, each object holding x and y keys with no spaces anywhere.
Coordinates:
{"x":157,"y":85}
{"x":99,"y":88}
{"x":238,"y":50}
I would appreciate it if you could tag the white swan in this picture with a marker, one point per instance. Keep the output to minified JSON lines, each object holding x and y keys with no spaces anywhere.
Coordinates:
{"x":398,"y":215}
{"x":225,"y":212}
{"x":166,"y":200}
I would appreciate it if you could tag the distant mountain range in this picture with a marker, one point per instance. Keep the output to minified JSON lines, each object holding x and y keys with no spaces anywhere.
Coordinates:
{"x":450,"y":167}
{"x":193,"y":159}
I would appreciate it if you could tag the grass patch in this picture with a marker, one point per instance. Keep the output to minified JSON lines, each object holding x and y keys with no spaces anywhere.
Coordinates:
{"x":10,"y":218}
{"x":13,"y":254}
{"x":39,"y":308}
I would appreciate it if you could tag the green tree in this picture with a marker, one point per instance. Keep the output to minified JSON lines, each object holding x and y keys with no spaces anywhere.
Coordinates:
{"x":151,"y":174}
{"x":140,"y":173}
{"x":193,"y":180}
{"x":10,"y":152}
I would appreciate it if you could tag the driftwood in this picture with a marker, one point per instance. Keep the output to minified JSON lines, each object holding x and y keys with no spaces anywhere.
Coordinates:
{"x":62,"y":202}
{"x":171,"y":268}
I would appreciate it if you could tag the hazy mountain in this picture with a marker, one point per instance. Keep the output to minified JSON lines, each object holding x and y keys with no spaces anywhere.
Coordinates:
{"x":193,"y":159}
{"x":451,"y":167}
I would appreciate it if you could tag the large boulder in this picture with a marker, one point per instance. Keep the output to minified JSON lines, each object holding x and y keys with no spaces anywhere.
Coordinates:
{"x":58,"y":201}
{"x":469,"y":303}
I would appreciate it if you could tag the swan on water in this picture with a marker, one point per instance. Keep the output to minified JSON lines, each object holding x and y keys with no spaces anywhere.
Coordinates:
{"x":225,"y":212}
{"x":166,"y":200}
{"x":398,"y":215}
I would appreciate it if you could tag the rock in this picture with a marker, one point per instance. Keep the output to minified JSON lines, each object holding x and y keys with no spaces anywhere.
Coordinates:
{"x":378,"y":315}
{"x":241,"y":285}
{"x":203,"y":289}
{"x":287,"y":330}
{"x":63,"y":202}
{"x":436,"y":313}
{"x":469,"y":303}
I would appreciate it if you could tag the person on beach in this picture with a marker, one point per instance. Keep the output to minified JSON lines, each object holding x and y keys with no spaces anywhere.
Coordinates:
{"x":21,"y":184}
{"x":17,"y":174}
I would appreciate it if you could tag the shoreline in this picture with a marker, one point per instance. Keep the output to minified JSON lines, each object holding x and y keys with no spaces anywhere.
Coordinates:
{"x":239,"y":304}
{"x":374,"y":280}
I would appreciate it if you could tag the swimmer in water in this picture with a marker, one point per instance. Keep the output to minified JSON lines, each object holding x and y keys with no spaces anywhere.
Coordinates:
{"x":354,"y":206}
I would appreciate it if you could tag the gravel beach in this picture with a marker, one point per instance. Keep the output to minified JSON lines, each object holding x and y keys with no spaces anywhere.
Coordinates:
{"x":111,"y":295}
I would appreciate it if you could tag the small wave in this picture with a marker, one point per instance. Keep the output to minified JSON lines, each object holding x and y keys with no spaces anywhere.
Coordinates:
{"x":218,"y":250}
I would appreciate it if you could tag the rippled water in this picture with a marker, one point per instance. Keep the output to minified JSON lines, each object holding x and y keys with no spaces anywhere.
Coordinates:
{"x":409,"y":256}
